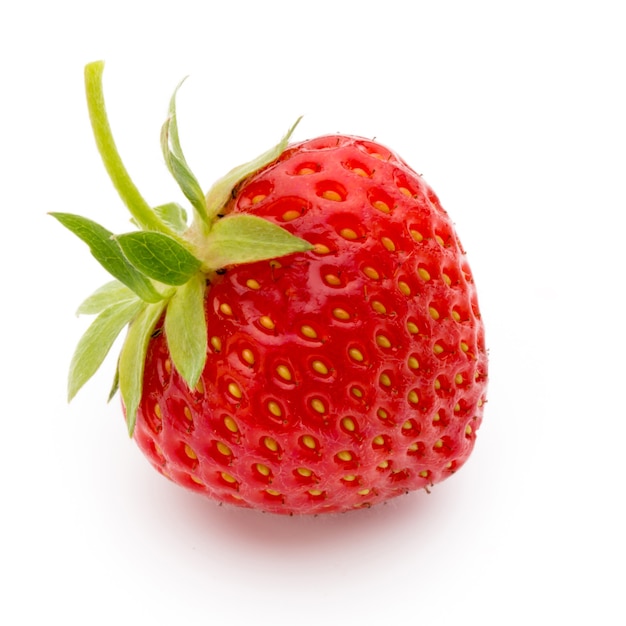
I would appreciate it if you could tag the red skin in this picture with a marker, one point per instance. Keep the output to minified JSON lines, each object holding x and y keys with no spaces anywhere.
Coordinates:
{"x":412,"y":429}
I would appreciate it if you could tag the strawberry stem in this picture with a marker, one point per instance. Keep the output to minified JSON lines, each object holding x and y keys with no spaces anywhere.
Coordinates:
{"x":145,"y":217}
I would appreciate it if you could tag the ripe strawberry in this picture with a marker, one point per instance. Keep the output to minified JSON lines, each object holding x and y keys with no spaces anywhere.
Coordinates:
{"x":324,"y":353}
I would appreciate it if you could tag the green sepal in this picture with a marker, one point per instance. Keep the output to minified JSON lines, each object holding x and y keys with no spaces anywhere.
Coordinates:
{"x":158,"y":256}
{"x":95,"y":344}
{"x":186,"y":329}
{"x":243,"y":238}
{"x":133,"y":358}
{"x":115,"y":385}
{"x":108,"y":253}
{"x":110,"y":293}
{"x":173,"y":215}
{"x":221,"y":191}
{"x":176,"y":162}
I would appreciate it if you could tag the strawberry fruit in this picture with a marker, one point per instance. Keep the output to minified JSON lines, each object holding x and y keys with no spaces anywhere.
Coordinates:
{"x":311,"y":343}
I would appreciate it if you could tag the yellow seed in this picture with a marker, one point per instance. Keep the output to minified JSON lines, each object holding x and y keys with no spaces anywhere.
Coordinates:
{"x":446,"y":279}
{"x":304,"y":471}
{"x":413,"y":447}
{"x":258,"y":198}
{"x":381,"y":206}
{"x":222,"y":448}
{"x":407,"y":425}
{"x":319,"y":367}
{"x":355,"y":354}
{"x":439,"y":240}
{"x":251,"y":283}
{"x":438,"y":444}
{"x":413,"y":363}
{"x":332,"y":279}
{"x":404,"y":191}
{"x":262,"y":469}
{"x":157,"y":411}
{"x":284,"y":372}
{"x":228,"y":478}
{"x":404,"y":288}
{"x":412,"y":328}
{"x":234,"y":390}
{"x":320,"y":248}
{"x":168,"y":366}
{"x":187,"y":413}
{"x":196,"y":480}
{"x":360,"y":171}
{"x":318,"y":406}
{"x":383,"y":341}
{"x":436,"y":417}
{"x":424,"y":473}
{"x":383,"y":465}
{"x":309,"y":442}
{"x":423,"y":273}
{"x":417,"y":236}
{"x":248,"y":356}
{"x":480,"y":402}
{"x":216,"y":343}
{"x":226,"y":309}
{"x":348,"y":233}
{"x":330,"y":194}
{"x":341,"y":314}
{"x":413,"y":397}
{"x":388,"y":243}
{"x":437,"y":384}
{"x":379,"y":440}
{"x":433,"y":312}
{"x":315,"y":492}
{"x":274,"y":408}
{"x":458,"y":379}
{"x":267,"y":322}
{"x":455,"y":316}
{"x":457,"y":407}
{"x":349,"y":478}
{"x":230,"y":423}
{"x":272,"y":492}
{"x":308,"y":332}
{"x":270,"y":444}
{"x":379,"y":307}
{"x":370,"y":272}
{"x":363,"y":492}
{"x":356,"y":392}
{"x":437,"y":349}
{"x":385,"y":380}
{"x":344,"y":455}
{"x":468,"y":430}
{"x":200,"y":386}
{"x":464,"y":346}
{"x":292,"y":214}
{"x":348,"y":424}
{"x":382,"y":414}
{"x":190,"y":453}
{"x":304,"y":171}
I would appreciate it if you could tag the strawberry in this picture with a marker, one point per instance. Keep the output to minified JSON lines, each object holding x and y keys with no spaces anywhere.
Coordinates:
{"x":311,"y":343}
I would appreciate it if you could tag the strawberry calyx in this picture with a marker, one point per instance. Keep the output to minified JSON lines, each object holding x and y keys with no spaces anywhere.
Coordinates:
{"x":162,"y":269}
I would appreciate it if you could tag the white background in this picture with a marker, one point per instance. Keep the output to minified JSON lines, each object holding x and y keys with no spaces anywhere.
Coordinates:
{"x":514,"y":112}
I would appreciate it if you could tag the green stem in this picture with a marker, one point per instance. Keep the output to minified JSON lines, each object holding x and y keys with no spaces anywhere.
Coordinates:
{"x":145,"y":217}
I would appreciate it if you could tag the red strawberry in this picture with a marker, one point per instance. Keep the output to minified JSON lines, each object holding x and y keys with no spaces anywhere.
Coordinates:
{"x":348,"y":371}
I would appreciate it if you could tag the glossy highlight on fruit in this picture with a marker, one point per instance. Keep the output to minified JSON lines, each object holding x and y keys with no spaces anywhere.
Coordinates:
{"x":336,"y":373}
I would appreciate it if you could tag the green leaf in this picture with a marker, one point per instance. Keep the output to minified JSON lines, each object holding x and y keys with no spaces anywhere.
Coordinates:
{"x":95,"y":344}
{"x":158,"y":256}
{"x":109,"y":254}
{"x":186,"y":329}
{"x":110,"y":293}
{"x":133,"y":358}
{"x":136,"y":204}
{"x":246,"y":238}
{"x":220,"y":192}
{"x":173,"y":215}
{"x":176,"y":162}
